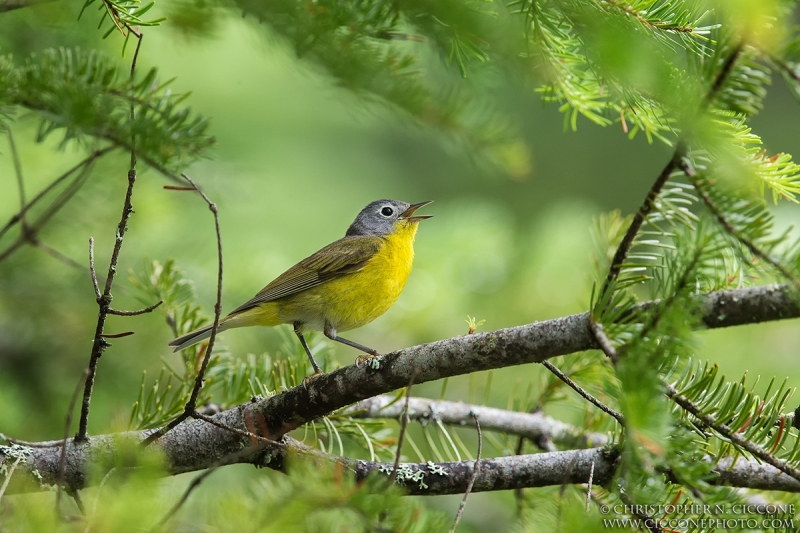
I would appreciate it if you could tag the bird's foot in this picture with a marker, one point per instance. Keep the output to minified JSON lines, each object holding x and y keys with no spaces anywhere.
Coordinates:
{"x":311,"y":377}
{"x":366,"y":357}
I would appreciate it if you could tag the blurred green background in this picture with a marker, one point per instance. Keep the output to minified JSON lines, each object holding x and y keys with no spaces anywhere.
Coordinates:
{"x":296,"y":158}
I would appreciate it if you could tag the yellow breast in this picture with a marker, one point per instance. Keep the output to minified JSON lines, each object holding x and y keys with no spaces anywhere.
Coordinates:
{"x":359,"y":298}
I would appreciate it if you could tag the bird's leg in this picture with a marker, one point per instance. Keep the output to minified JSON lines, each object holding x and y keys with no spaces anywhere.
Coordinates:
{"x":330,"y":332}
{"x":317,"y":370}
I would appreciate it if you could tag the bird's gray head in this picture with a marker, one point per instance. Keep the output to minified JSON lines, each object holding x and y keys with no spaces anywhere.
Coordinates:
{"x":379,"y":218}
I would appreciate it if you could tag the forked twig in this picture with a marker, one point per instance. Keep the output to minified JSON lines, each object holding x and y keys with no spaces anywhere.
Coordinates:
{"x":403,"y":427}
{"x":475,"y":471}
{"x":62,"y":460}
{"x":190,"y":410}
{"x":104,"y":302}
{"x":580,"y":390}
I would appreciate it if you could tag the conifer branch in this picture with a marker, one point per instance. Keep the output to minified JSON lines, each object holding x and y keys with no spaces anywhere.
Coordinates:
{"x":197,"y":444}
{"x":638,"y":15}
{"x":700,"y":187}
{"x":733,"y":437}
{"x":533,"y":426}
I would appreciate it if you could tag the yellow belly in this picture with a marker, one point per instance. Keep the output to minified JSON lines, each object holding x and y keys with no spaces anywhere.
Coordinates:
{"x":348,"y":302}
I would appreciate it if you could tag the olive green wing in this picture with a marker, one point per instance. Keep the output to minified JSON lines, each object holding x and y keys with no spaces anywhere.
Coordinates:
{"x":342,"y":257}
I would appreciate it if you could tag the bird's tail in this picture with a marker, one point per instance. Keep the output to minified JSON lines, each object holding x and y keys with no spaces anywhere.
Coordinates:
{"x":258,"y":316}
{"x":193,"y":337}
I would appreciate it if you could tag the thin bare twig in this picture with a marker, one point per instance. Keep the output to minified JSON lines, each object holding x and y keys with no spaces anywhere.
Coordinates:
{"x":193,"y":485}
{"x":638,"y":219}
{"x":243,"y":433}
{"x":589,"y":489}
{"x":76,"y":496}
{"x":783,"y":66}
{"x":92,"y":271}
{"x":18,"y":171}
{"x":93,"y":513}
{"x":118,"y":335}
{"x":258,"y":443}
{"x":604,"y":342}
{"x":577,"y":388}
{"x":519,"y":494}
{"x":148,"y":309}
{"x":52,"y":252}
{"x":104,"y":302}
{"x":190,"y":409}
{"x":403,"y":427}
{"x":18,"y":442}
{"x":475,"y":471}
{"x":8,"y":475}
{"x":18,"y":217}
{"x":62,"y":460}
{"x":723,"y":74}
{"x":30,"y":235}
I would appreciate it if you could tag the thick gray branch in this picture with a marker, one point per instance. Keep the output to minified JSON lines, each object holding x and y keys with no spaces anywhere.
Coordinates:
{"x":533,"y":426}
{"x":532,"y":343}
{"x":501,"y":473}
{"x":195,"y":444}
{"x":754,"y":475}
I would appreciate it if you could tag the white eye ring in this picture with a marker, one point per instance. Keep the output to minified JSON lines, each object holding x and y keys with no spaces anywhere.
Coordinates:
{"x":387,"y":211}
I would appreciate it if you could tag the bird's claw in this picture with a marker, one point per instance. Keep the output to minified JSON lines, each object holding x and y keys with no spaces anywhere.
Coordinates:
{"x":366,"y":357}
{"x":309,"y":378}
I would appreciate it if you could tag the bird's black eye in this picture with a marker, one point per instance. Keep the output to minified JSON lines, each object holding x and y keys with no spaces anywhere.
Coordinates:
{"x":387,"y":211}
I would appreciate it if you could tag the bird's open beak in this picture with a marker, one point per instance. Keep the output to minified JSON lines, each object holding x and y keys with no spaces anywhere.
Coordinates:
{"x":407,"y":214}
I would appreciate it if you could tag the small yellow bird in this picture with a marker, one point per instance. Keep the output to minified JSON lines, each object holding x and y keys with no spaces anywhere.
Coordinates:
{"x":343,"y":286}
